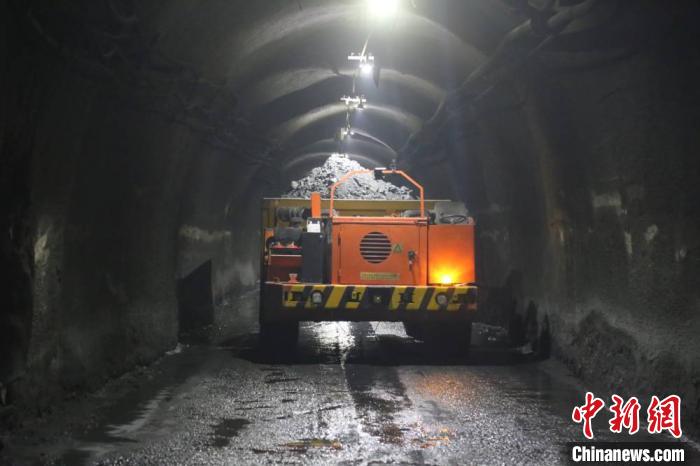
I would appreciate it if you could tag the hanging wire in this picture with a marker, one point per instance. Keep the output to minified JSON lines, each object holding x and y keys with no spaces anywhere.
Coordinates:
{"x":349,"y":110}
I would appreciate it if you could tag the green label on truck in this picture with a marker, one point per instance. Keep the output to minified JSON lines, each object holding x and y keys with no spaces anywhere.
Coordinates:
{"x":377,"y":276}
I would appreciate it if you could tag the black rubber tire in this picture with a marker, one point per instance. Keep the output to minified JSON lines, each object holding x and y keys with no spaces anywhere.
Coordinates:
{"x":276,"y":335}
{"x":457,"y":335}
{"x":413,"y":330}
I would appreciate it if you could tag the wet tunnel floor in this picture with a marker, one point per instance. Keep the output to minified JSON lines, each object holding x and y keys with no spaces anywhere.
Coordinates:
{"x":353,"y":393}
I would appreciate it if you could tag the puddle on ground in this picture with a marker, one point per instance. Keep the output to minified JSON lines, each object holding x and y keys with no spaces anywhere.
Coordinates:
{"x":442,"y":438}
{"x":271,"y":381}
{"x":225,"y":430}
{"x":104,"y":438}
{"x":143,"y":415}
{"x":303,"y":445}
{"x":390,"y":433}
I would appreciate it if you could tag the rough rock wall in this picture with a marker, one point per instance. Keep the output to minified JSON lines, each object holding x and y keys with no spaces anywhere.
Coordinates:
{"x":106,"y":210}
{"x":91,"y":187}
{"x":107,"y":202}
{"x":626,"y":142}
{"x":220,"y":224}
{"x":16,"y":131}
{"x":590,"y":211}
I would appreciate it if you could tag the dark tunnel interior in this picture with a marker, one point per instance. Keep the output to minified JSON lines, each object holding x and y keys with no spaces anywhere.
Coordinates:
{"x":137,"y":138}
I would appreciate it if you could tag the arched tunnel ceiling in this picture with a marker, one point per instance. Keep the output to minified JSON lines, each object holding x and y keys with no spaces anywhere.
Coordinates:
{"x":375,"y":152}
{"x":298,"y":80}
{"x":287,"y":61}
{"x":365,"y":119}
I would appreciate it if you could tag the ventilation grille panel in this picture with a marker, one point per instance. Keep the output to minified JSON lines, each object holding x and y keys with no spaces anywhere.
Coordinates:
{"x":375,"y":247}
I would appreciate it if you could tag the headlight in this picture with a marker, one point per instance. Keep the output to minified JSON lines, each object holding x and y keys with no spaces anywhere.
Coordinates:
{"x":317,"y":297}
{"x":441,"y":299}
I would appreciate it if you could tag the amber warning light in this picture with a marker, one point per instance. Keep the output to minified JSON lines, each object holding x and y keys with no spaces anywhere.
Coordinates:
{"x":451,"y":254}
{"x":449,"y":277}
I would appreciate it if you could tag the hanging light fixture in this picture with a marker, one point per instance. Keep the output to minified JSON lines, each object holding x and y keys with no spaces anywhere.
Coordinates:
{"x":365,"y":62}
{"x":382,"y":9}
{"x":353,"y":102}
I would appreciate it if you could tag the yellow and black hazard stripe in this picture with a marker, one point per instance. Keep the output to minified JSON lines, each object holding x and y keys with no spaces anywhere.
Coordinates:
{"x":425,"y":298}
{"x":401,"y":298}
{"x":331,"y":296}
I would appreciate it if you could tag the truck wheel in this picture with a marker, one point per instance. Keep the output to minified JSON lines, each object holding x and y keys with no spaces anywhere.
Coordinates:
{"x":458,"y":335}
{"x":274,"y":335}
{"x":467,"y":334}
{"x":414,"y":330}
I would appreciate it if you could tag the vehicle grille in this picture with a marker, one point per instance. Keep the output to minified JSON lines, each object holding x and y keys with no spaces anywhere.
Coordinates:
{"x":375,"y":247}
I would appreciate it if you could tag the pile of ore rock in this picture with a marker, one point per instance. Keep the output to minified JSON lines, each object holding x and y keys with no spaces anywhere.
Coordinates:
{"x":362,"y":186}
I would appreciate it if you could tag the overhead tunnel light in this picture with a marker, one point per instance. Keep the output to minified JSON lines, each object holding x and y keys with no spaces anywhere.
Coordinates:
{"x":354,"y":101}
{"x":382,"y":9}
{"x":366,"y":68}
{"x":365,"y":62}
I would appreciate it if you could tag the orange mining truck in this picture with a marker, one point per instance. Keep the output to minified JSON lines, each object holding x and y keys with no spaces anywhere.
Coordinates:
{"x":409,"y":261}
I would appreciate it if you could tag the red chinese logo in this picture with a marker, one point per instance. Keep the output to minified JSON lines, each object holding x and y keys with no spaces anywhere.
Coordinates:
{"x":625,"y":415}
{"x":587,"y":412}
{"x":662,"y":415}
{"x":665,"y":415}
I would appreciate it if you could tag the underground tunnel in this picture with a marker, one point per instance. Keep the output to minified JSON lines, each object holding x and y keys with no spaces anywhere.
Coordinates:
{"x":141,"y":143}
